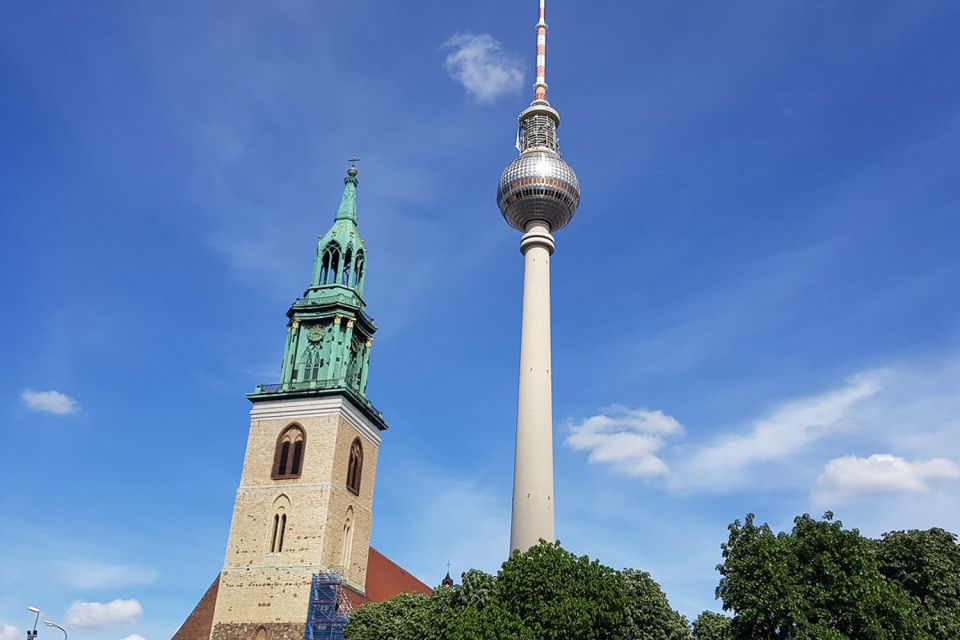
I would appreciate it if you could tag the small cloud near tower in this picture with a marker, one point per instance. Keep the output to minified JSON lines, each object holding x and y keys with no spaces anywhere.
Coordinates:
{"x":479,"y":63}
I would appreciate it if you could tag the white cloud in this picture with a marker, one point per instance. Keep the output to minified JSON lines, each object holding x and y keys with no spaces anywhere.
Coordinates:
{"x":852,"y":477}
{"x":9,"y":632}
{"x":134,"y":636}
{"x":479,"y":63}
{"x":99,"y":575}
{"x":784,"y":432}
{"x":626,"y":439}
{"x":49,"y":402}
{"x":99,"y":615}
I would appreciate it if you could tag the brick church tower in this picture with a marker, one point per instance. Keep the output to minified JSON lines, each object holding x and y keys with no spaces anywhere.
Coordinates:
{"x":304,"y":505}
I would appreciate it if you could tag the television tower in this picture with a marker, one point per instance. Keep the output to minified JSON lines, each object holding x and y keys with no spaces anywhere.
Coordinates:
{"x":538,"y":194}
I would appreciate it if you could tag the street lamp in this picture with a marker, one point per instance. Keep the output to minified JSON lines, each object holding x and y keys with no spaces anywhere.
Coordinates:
{"x":32,"y":634}
{"x":56,"y":626}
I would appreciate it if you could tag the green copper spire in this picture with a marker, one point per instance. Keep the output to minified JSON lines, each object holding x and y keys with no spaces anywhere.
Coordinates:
{"x":329,"y":335}
{"x":341,"y":256}
{"x":348,"y":205}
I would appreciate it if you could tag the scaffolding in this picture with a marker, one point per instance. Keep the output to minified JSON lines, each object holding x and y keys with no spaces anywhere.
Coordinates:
{"x":329,"y":608}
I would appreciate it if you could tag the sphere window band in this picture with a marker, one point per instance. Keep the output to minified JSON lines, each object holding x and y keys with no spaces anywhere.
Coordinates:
{"x":538,"y":185}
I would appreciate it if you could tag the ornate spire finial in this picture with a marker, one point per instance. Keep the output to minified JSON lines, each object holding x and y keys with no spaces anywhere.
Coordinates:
{"x":348,"y":205}
{"x":447,"y":580}
{"x":540,"y":88}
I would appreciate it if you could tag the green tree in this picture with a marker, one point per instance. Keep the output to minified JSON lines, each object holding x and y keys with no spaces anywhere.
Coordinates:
{"x":648,"y":615}
{"x":710,"y":625}
{"x":546,"y":593}
{"x":405,"y":617}
{"x":559,"y":595}
{"x":819,"y":581}
{"x":926,"y":564}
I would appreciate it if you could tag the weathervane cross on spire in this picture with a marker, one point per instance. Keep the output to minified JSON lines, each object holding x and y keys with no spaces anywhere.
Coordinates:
{"x":354,"y":160}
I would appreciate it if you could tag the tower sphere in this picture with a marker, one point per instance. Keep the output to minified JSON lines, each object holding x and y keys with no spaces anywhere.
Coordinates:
{"x":538,"y":186}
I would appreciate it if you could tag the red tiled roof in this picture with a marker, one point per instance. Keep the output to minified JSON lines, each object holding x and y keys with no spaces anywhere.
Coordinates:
{"x":385,"y":579}
{"x":198,"y":624}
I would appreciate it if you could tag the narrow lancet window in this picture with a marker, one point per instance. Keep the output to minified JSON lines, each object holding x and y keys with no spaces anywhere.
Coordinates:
{"x":355,"y":467}
{"x":297,"y":455}
{"x":345,"y":277}
{"x":276,"y":528}
{"x":346,"y":549}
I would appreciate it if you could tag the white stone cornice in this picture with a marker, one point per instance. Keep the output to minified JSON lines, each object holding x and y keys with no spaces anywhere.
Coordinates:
{"x":294,"y":408}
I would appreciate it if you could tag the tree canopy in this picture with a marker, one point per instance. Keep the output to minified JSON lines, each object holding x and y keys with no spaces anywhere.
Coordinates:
{"x":710,"y":625}
{"x":926,"y":564}
{"x":546,"y":593}
{"x":818,"y":581}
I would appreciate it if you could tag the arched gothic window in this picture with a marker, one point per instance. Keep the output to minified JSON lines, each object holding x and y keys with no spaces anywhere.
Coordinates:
{"x":330,"y":268}
{"x":289,"y":454}
{"x":261,"y":634}
{"x":355,"y":467}
{"x":312,"y":361}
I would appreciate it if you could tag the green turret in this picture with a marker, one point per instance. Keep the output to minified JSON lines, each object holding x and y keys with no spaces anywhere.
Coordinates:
{"x":329,"y":336}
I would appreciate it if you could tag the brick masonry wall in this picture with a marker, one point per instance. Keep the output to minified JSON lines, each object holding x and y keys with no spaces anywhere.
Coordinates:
{"x":248,"y":631}
{"x":260,"y":587}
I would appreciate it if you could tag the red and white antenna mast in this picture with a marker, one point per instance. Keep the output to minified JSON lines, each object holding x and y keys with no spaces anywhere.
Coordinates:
{"x":540,"y":88}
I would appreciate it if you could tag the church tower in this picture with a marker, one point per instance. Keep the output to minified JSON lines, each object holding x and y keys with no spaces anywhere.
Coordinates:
{"x":304,"y":503}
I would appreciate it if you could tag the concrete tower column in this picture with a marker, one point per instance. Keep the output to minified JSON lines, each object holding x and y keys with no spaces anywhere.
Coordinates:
{"x":533,"y":467}
{"x":538,"y":194}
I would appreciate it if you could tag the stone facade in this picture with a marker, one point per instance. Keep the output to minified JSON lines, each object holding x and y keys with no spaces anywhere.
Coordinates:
{"x":267,"y":631}
{"x":270,"y":589}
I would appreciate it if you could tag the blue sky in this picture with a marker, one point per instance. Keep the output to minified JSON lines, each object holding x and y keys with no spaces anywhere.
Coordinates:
{"x":755,"y":309}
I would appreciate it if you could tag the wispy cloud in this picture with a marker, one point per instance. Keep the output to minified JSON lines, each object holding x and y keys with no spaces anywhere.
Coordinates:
{"x":851,"y":477}
{"x":53,"y":402}
{"x":100,"y":615}
{"x":134,"y":636}
{"x":479,"y":63}
{"x":100,"y":575}
{"x":9,"y":632}
{"x":787,"y":430}
{"x":626,"y":439}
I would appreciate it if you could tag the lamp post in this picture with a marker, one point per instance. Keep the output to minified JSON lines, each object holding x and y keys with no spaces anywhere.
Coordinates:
{"x":56,"y":626}
{"x":32,"y":634}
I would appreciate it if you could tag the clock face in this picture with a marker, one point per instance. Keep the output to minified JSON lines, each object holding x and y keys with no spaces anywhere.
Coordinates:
{"x":315,"y":333}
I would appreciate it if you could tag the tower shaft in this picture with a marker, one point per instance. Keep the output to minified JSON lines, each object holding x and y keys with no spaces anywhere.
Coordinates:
{"x":538,"y":194}
{"x":533,"y":516}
